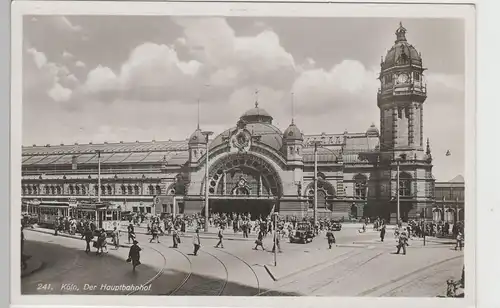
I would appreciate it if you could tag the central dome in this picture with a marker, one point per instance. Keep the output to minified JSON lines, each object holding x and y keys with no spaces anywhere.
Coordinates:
{"x":257,"y":115}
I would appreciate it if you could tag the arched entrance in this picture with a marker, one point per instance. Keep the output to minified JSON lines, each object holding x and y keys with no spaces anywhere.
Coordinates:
{"x":245,"y":184}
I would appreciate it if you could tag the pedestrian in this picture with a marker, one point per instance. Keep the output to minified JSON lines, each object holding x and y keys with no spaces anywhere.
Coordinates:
{"x":402,"y":242}
{"x":116,"y":237}
{"x":276,"y":243}
{"x":134,"y":255}
{"x":175,"y":238}
{"x":196,"y":242}
{"x":89,"y":236}
{"x":101,"y":242}
{"x":131,"y":233}
{"x":460,"y":239}
{"x":382,"y":233}
{"x":220,"y":236}
{"x":56,"y":226}
{"x":154,"y":233}
{"x":258,"y":241}
{"x":330,"y":237}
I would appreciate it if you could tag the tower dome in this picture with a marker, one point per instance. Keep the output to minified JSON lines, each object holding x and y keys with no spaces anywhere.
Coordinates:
{"x":372,"y":131}
{"x":257,"y":115}
{"x":197,"y":138}
{"x":292,"y":133}
{"x":402,"y":52}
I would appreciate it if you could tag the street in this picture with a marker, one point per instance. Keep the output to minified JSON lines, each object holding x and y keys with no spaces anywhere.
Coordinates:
{"x":359,"y":265}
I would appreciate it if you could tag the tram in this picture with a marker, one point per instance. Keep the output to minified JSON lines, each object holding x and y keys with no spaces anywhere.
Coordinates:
{"x":49,"y":212}
{"x":106,"y":215}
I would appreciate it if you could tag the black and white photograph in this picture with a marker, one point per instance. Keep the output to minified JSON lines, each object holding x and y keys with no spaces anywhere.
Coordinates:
{"x":176,"y":154}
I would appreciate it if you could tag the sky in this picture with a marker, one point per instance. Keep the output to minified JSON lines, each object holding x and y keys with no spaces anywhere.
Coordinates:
{"x":127,"y":78}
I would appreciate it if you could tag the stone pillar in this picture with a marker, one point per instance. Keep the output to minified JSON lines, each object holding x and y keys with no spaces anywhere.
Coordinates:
{"x":394,"y":126}
{"x":411,"y":123}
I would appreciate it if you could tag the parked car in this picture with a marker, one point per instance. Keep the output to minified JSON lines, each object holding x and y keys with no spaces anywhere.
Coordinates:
{"x":336,"y":225}
{"x":304,"y":233}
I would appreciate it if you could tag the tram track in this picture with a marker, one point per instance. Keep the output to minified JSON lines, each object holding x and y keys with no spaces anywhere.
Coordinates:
{"x":158,"y":274}
{"x":248,"y":265}
{"x":416,"y":273}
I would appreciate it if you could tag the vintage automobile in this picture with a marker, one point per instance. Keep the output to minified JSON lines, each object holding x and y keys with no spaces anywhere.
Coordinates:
{"x":304,"y":233}
{"x":336,"y":225}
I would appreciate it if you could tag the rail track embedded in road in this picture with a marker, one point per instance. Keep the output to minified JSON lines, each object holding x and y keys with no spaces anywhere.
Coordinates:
{"x":415,"y":272}
{"x":158,"y":274}
{"x":225,"y":269}
{"x":187,"y":276}
{"x":247,"y":264}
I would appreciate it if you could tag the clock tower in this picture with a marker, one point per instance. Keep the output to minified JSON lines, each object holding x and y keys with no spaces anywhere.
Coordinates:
{"x":401,"y":97}
{"x":401,"y":100}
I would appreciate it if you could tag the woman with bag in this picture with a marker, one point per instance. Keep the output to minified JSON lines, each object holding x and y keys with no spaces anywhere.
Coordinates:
{"x":134,"y":255}
{"x":175,"y":238}
{"x":258,"y":242}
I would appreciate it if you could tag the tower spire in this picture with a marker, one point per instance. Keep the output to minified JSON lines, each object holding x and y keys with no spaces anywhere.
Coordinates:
{"x":256,"y":98}
{"x":293,"y":111}
{"x":400,"y":33}
{"x":198,"y":125}
{"x":428,"y":149}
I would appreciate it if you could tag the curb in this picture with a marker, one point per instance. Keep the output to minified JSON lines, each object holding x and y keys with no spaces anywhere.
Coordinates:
{"x":268,"y":270}
{"x":40,"y":265}
{"x":352,"y":245}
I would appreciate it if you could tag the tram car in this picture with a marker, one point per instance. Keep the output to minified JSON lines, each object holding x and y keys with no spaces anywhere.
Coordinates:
{"x":29,"y":212}
{"x":49,"y":212}
{"x":104,"y":214}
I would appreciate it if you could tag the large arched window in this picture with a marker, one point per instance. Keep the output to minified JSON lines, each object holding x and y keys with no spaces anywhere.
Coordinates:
{"x":360,"y":186}
{"x":71,"y":190}
{"x":326,"y":192}
{"x":103,"y":190}
{"x":404,"y":185}
{"x":151,"y":190}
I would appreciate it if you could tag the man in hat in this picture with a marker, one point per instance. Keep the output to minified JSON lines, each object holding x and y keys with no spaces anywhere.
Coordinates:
{"x":134,"y":255}
{"x":330,"y":237}
{"x":196,"y":242}
{"x":131,"y":232}
{"x":403,"y":241}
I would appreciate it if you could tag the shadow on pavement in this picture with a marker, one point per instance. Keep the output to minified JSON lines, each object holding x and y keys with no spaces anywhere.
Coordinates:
{"x":72,"y":271}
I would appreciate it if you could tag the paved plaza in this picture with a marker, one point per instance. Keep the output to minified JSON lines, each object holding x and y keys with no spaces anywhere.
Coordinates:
{"x":359,"y":265}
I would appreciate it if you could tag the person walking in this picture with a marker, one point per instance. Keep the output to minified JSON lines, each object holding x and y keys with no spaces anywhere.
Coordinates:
{"x":276,"y":242}
{"x":382,"y":233}
{"x":221,"y":236}
{"x":402,"y":242}
{"x":89,"y":236}
{"x":154,"y":233}
{"x":175,"y":238}
{"x":116,"y":237}
{"x":258,"y":241}
{"x":134,"y":255}
{"x":56,"y":226}
{"x":101,"y":242}
{"x":330,"y":237}
{"x":196,"y":242}
{"x":460,"y":239}
{"x":131,"y":233}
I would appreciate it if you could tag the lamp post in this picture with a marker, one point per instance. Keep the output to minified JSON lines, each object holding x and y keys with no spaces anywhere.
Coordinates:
{"x":207,"y":134}
{"x":315,"y":208}
{"x":98,"y":176}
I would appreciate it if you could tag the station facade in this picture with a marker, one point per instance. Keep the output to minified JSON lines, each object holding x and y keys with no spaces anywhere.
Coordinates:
{"x":256,"y":167}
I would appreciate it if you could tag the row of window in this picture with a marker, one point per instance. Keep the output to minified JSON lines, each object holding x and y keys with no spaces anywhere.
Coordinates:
{"x":83,"y":190}
{"x":141,"y":209}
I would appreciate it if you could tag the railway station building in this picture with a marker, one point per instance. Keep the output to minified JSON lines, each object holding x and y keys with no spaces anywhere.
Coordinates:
{"x":255,"y":166}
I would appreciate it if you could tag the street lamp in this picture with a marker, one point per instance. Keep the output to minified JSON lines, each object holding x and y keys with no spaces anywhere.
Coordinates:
{"x":398,"y":161}
{"x":98,"y":176}
{"x":207,"y":134}
{"x":315,"y":209}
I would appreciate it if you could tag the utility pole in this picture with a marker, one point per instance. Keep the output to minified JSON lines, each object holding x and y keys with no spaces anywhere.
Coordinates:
{"x":98,"y":176}
{"x":315,"y":209}
{"x":207,"y":134}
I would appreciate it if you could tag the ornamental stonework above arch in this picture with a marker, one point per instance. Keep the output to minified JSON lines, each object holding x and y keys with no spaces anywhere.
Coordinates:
{"x":244,"y":174}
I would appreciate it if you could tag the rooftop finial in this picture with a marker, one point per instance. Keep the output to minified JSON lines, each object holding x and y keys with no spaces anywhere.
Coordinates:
{"x":400,"y":33}
{"x":428,"y":150}
{"x":256,"y":98}
{"x":293,"y":111}
{"x":198,"y":126}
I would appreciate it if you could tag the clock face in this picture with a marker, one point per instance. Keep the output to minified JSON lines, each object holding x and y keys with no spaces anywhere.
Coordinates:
{"x":402,"y":78}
